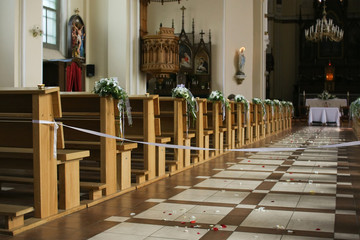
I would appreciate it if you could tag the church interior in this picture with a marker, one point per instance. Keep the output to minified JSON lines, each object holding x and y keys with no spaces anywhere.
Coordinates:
{"x":179,"y":119}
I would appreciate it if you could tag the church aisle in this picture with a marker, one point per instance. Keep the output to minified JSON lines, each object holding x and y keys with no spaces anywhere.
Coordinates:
{"x":304,"y":194}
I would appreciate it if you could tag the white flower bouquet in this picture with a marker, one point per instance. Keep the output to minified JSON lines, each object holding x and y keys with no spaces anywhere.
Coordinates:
{"x":110,"y":87}
{"x":355,"y":109}
{"x":259,"y":101}
{"x":182,"y":92}
{"x":218,"y":96}
{"x":325,"y":95}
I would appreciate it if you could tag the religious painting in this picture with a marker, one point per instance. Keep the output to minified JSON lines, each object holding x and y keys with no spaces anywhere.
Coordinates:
{"x":202,"y":63}
{"x":76,"y":38}
{"x":185,"y":56}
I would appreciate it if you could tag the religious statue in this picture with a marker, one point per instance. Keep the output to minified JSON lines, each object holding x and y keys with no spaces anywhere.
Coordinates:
{"x":241,"y":64}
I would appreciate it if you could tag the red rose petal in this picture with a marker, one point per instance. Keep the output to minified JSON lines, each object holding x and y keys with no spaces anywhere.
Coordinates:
{"x":183,"y":222}
{"x":191,"y":226}
{"x":193,"y":221}
{"x":263,"y":166}
{"x":291,"y":179}
{"x":223,"y":226}
{"x":170,"y":213}
{"x":198,"y":233}
{"x":318,"y":229}
{"x":215,"y":229}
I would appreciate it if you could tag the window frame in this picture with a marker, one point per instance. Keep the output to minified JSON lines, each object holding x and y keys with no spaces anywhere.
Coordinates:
{"x":57,"y":13}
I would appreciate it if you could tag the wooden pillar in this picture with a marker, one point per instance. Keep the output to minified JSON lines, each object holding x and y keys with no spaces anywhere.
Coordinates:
{"x":200,"y":128}
{"x":45,"y":166}
{"x":149,"y":136}
{"x":179,"y":132}
{"x":108,"y":145}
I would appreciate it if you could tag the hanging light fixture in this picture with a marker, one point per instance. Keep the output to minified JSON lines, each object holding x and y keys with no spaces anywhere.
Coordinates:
{"x":162,"y":1}
{"x":324,"y":29}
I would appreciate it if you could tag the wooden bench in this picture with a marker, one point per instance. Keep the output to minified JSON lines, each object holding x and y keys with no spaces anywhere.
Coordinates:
{"x":148,"y":161}
{"x":238,"y":116}
{"x":174,"y":125}
{"x":214,"y":122}
{"x":33,"y":144}
{"x":14,"y":215}
{"x":113,"y":158}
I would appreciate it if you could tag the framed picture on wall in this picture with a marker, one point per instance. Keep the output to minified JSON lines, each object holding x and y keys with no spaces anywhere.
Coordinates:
{"x":202,"y":63}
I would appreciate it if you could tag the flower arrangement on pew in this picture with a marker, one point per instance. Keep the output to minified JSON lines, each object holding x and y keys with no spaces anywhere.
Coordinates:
{"x":278,"y":103}
{"x":218,"y":96}
{"x":288,"y":105}
{"x":270,"y":103}
{"x":259,"y":101}
{"x":191,"y":105}
{"x":355,"y":109}
{"x":325,"y":95}
{"x":110,"y":87}
{"x":241,"y":99}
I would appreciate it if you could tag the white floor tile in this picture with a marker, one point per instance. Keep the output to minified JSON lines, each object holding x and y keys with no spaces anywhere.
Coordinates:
{"x":267,"y":219}
{"x":309,"y":221}
{"x":194,"y":195}
{"x":320,"y":188}
{"x":179,"y":233}
{"x":254,"y":236}
{"x":133,"y":229}
{"x":116,"y":236}
{"x":243,"y":184}
{"x":280,"y":200}
{"x":117,"y":219}
{"x":230,"y":197}
{"x":288,"y":187}
{"x":317,"y":202}
{"x":158,"y":200}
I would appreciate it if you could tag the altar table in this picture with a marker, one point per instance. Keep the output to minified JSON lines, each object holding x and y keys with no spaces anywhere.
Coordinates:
{"x":316,"y":102}
{"x":324,"y":115}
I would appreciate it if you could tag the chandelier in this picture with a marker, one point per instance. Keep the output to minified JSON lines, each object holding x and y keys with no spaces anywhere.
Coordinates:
{"x":324,"y":29}
{"x":162,"y":1}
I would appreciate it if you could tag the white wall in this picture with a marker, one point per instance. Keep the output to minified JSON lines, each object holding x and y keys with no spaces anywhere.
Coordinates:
{"x":239,"y":33}
{"x":20,"y":52}
{"x":33,"y":46}
{"x":7,"y":40}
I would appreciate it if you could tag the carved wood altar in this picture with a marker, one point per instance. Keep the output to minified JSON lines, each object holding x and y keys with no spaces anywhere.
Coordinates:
{"x":170,"y":60}
{"x":160,"y":53}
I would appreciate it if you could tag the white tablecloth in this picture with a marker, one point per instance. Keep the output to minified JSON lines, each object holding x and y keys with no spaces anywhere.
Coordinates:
{"x":324,"y":115}
{"x":316,"y":102}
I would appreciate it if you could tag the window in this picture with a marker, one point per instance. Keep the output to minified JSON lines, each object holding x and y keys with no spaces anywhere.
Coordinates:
{"x":50,"y":24}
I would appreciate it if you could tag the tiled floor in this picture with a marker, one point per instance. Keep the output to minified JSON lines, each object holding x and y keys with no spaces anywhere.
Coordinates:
{"x":296,"y":195}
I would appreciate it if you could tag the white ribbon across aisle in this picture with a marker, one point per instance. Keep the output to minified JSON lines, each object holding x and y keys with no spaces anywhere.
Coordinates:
{"x":267,"y":149}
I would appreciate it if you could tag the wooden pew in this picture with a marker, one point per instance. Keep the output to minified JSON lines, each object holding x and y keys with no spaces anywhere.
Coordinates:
{"x":261,"y":122}
{"x":32,"y":145}
{"x":239,"y":121}
{"x":214,"y":122}
{"x":148,"y":161}
{"x":269,"y":120}
{"x":174,"y":125}
{"x":109,"y":157}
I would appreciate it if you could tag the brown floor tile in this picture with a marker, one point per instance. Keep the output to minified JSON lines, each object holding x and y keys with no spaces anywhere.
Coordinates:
{"x":346,"y":224}
{"x":253,"y":198}
{"x":235,"y":217}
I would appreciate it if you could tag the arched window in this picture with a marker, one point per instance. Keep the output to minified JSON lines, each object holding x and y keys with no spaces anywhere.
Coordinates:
{"x":51,"y":23}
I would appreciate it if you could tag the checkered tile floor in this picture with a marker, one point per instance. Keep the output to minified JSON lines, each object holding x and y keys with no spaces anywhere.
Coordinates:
{"x":303,"y":194}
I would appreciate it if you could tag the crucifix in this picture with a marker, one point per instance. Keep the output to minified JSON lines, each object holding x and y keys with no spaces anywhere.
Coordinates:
{"x":183,"y":10}
{"x":202,"y":33}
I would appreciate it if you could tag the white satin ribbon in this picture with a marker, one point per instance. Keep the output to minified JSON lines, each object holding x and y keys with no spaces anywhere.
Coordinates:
{"x":56,"y":127}
{"x":348,"y":144}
